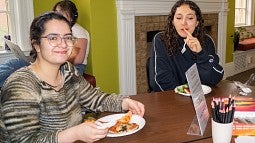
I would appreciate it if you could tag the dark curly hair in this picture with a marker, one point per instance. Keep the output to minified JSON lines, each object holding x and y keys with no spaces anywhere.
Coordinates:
{"x":37,"y":28}
{"x":69,"y":8}
{"x":170,"y":35}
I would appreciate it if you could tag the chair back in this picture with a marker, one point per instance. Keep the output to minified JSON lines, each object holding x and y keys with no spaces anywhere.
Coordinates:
{"x":148,"y":74}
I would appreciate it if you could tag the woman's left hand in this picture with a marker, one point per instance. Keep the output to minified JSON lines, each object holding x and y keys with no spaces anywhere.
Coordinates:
{"x":192,"y":43}
{"x":134,"y":106}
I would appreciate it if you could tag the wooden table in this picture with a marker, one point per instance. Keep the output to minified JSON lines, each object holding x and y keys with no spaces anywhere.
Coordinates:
{"x":168,"y":117}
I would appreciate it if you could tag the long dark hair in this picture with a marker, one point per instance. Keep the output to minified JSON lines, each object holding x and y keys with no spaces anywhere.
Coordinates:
{"x":69,"y":8}
{"x":37,"y":28}
{"x":170,"y":35}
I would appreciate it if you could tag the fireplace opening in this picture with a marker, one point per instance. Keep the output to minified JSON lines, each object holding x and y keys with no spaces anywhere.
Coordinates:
{"x":150,"y":36}
{"x":208,"y":29}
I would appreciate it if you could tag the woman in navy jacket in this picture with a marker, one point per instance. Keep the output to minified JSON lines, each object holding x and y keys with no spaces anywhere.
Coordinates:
{"x":182,"y":44}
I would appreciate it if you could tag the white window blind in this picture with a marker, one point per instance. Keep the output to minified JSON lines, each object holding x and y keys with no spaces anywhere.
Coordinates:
{"x":15,"y":19}
{"x":244,"y":12}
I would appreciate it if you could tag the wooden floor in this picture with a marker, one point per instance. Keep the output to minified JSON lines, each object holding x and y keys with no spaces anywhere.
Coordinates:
{"x":242,"y":77}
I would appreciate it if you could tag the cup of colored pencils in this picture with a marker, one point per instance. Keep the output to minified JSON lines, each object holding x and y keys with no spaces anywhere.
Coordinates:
{"x":222,"y":119}
{"x":223,"y":109}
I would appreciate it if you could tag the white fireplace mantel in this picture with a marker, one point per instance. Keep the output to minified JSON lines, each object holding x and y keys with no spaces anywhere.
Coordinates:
{"x":126,"y":12}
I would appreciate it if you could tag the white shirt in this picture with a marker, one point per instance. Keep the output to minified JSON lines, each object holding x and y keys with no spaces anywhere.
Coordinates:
{"x":80,"y":32}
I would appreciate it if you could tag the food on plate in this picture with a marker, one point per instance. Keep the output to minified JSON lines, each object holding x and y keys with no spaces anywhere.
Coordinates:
{"x":90,"y":119}
{"x":183,"y":89}
{"x":126,"y":118}
{"x":123,"y":124}
{"x":120,"y":128}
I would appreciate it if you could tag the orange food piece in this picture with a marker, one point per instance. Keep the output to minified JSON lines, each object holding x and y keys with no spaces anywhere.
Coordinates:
{"x":90,"y":120}
{"x":123,"y":125}
{"x":125,"y":119}
{"x":119,"y":127}
{"x":186,"y":90}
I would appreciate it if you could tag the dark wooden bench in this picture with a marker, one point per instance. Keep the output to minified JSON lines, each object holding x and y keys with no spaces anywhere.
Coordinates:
{"x":90,"y":78}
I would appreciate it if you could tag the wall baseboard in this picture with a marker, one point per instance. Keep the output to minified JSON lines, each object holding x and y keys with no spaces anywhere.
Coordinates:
{"x":229,"y":70}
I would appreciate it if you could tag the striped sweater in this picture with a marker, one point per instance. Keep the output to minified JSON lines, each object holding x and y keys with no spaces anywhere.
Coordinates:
{"x":32,"y":111}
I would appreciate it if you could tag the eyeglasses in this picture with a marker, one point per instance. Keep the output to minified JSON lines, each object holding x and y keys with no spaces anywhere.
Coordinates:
{"x":55,"y":40}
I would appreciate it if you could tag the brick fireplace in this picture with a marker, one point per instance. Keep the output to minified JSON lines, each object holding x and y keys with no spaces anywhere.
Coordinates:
{"x":137,"y":18}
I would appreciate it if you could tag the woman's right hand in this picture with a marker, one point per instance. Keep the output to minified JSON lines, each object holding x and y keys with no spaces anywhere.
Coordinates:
{"x":86,"y":132}
{"x":192,"y":42}
{"x":89,"y":132}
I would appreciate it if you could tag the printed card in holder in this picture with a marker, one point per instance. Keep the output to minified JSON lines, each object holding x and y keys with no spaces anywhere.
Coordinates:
{"x":199,"y":123}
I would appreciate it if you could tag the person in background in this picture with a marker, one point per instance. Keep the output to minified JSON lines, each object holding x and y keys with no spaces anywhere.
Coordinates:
{"x":179,"y":46}
{"x":80,"y":51}
{"x":43,"y":102}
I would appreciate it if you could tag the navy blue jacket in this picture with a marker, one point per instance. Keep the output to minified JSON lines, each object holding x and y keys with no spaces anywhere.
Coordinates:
{"x":166,"y":72}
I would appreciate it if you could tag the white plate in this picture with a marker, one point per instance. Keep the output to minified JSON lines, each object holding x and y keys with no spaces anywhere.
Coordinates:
{"x":206,"y":89}
{"x":135,"y":119}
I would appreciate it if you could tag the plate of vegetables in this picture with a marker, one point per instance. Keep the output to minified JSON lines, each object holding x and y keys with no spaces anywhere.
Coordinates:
{"x":184,"y":89}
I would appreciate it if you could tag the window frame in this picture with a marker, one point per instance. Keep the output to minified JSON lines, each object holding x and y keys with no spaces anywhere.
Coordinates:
{"x":21,"y":16}
{"x":249,"y":17}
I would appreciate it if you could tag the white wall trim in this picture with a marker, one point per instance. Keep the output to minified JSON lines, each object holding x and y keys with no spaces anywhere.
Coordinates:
{"x":127,"y":54}
{"x":126,"y":12}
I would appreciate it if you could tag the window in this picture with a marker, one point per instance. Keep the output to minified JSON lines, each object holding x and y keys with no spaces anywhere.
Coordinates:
{"x":15,"y":19}
{"x":244,"y":12}
{"x":4,"y":22}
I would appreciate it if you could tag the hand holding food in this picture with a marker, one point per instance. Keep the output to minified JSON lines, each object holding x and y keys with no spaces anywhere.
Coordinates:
{"x":86,"y":132}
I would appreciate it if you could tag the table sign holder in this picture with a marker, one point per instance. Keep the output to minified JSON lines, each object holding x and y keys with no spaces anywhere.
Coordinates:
{"x":199,"y":122}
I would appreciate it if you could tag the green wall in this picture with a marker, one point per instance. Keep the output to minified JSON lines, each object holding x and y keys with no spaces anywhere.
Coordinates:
{"x":84,"y":19}
{"x":41,"y":6}
{"x":230,"y":31}
{"x":99,"y":18}
{"x":104,"y":46}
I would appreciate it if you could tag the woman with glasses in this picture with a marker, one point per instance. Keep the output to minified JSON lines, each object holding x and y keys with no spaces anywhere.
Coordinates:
{"x":79,"y":53}
{"x":43,"y":101}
